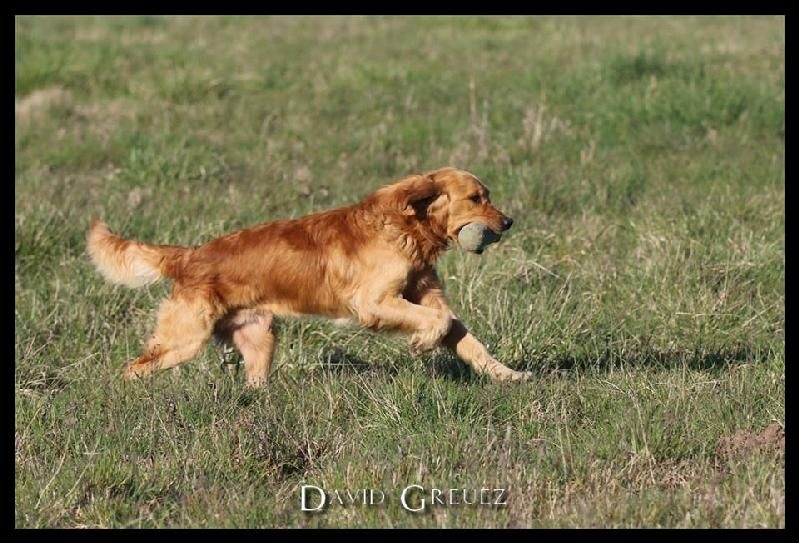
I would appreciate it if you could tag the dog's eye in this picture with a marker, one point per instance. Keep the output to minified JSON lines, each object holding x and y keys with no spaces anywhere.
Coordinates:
{"x":476,"y":199}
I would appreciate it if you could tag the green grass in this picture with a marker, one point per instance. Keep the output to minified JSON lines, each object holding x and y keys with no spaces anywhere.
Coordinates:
{"x":643,"y":281}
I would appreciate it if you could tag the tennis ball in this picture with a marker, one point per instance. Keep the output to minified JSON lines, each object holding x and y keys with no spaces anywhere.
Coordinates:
{"x":475,"y":237}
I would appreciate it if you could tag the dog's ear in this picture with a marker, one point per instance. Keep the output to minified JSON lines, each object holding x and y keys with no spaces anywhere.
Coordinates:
{"x":421,"y":207}
{"x":416,"y":193}
{"x":422,"y":195}
{"x":410,"y":196}
{"x":403,"y":195}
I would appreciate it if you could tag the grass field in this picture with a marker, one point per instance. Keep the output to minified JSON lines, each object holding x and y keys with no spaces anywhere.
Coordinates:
{"x":642,"y":160}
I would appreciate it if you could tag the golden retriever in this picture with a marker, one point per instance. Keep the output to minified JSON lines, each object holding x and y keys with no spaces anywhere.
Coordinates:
{"x":371,"y":262}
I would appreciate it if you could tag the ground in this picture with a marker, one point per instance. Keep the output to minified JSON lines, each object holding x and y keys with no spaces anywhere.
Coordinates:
{"x":643,"y":282}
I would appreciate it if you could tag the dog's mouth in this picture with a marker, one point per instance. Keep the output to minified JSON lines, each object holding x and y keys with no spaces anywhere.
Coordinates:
{"x":453,"y":235}
{"x":464,"y":225}
{"x":474,"y":237}
{"x":456,"y":233}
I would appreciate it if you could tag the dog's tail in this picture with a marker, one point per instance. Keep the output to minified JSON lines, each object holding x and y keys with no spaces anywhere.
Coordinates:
{"x":131,"y":263}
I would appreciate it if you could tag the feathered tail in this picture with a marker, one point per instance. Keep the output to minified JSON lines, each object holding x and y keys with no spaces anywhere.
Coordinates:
{"x":131,"y":263}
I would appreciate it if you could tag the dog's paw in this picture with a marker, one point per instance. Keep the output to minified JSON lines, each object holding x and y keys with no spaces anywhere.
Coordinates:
{"x":498,"y":371}
{"x":135,"y":371}
{"x":255,"y":381}
{"x":507,"y":374}
{"x":430,"y":338}
{"x":518,"y":376}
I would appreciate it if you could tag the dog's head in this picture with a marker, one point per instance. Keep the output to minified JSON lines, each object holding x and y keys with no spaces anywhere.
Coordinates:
{"x":446,"y":200}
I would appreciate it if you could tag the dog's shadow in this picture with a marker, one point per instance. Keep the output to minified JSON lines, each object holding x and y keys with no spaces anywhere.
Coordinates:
{"x":447,"y":366}
{"x":713,"y":360}
{"x":339,"y":361}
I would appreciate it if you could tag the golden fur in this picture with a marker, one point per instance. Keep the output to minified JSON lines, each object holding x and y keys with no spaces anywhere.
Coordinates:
{"x":371,"y":262}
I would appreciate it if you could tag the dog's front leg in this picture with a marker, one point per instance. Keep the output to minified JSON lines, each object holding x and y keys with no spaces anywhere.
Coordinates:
{"x":427,"y":325}
{"x":427,"y":292}
{"x":470,"y":350}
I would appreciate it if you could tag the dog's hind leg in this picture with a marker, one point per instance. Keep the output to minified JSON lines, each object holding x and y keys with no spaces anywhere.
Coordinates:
{"x":184,"y":325}
{"x":253,"y":334}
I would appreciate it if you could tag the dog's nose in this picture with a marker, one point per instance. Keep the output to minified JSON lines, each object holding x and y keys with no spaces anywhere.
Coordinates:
{"x":507,"y":222}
